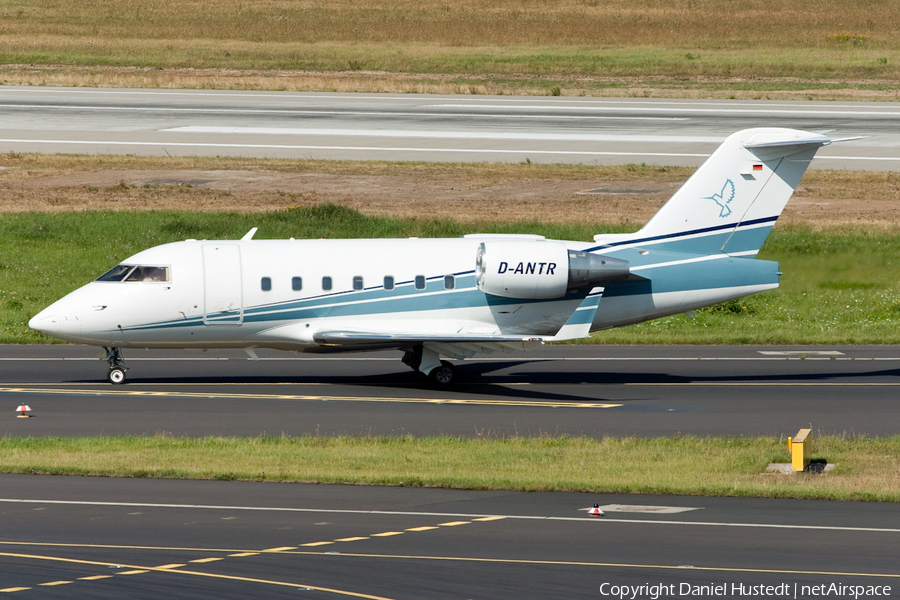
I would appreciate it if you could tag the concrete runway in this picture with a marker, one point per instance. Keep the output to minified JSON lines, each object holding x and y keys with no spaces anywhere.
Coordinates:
{"x":74,"y":537}
{"x":577,"y":390}
{"x":425,"y":127}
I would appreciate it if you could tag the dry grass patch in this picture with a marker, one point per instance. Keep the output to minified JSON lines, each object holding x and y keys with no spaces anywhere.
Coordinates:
{"x":467,"y":193}
{"x":785,"y":49}
{"x":793,"y":23}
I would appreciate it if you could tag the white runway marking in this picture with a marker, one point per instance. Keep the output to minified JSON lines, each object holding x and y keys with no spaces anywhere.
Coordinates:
{"x":382,"y":149}
{"x":699,"y":108}
{"x":796,"y":356}
{"x":433,"y":100}
{"x":358,"y":148}
{"x":452,"y":135}
{"x":646,"y":509}
{"x":580,"y":519}
{"x":345,"y":113}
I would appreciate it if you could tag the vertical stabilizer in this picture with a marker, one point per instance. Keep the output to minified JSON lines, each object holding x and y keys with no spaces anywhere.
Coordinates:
{"x":732,"y":201}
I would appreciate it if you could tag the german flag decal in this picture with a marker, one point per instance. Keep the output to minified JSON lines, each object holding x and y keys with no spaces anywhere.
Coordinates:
{"x":757,"y":168}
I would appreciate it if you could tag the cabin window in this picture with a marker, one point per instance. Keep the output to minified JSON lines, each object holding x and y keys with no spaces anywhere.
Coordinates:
{"x":296,"y":283}
{"x":449,"y":282}
{"x":326,"y":283}
{"x":266,"y":284}
{"x":149,"y":274}
{"x":388,"y":282}
{"x":420,"y":282}
{"x":357,"y":282}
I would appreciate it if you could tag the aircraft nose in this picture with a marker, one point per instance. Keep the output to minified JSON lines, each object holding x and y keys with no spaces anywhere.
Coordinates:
{"x":59,"y":325}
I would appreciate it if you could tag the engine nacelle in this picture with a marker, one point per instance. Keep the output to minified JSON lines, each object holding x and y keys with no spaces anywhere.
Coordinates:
{"x":541,"y":270}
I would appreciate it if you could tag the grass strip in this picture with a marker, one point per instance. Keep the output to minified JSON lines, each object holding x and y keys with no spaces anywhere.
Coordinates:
{"x":865,"y":468}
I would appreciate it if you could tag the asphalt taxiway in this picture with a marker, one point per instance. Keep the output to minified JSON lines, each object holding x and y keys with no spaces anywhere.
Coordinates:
{"x":67,"y":537}
{"x":576,"y":390}
{"x":76,"y":537}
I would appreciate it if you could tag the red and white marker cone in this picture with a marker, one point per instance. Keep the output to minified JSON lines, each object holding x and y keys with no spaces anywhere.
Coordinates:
{"x":23,"y":411}
{"x":595,"y":511}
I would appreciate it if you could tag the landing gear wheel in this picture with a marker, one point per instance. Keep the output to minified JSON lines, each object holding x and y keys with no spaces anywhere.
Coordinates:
{"x":116,"y":375}
{"x":443,"y":375}
{"x":117,"y":368}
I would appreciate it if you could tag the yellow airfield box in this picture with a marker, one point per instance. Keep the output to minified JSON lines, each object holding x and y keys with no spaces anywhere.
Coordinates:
{"x":801,"y":447}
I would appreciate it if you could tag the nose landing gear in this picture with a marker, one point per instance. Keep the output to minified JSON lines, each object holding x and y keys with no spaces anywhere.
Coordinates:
{"x":117,"y":368}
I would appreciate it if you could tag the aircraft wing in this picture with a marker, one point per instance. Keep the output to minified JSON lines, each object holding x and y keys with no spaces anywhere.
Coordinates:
{"x":361,"y":338}
{"x":459,"y":346}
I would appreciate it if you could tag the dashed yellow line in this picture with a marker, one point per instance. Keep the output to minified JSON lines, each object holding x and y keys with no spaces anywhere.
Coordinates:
{"x":317,"y":544}
{"x":175,"y":567}
{"x":139,"y":569}
{"x":119,"y":547}
{"x":228,"y":396}
{"x":206,"y":560}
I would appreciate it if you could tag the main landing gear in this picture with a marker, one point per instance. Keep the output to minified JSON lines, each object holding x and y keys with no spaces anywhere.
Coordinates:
{"x":428,"y":362}
{"x":117,"y":368}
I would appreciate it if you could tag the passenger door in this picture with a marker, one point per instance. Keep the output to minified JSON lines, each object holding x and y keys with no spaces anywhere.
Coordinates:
{"x":223,"y":302}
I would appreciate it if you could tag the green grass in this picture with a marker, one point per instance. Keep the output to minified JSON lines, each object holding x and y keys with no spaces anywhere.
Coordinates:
{"x":839,"y":286}
{"x":865,"y":468}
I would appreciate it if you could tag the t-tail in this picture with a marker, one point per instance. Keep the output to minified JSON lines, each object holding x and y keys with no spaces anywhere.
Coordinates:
{"x":697,"y":249}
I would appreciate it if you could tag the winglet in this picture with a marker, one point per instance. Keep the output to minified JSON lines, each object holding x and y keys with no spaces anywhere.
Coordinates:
{"x":249,"y":235}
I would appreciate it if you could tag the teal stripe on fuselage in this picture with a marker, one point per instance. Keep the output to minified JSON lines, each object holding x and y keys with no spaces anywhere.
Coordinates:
{"x":402,"y":299}
{"x":725,"y":272}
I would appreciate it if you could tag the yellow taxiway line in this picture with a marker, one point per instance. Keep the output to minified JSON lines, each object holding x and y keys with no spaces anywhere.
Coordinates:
{"x":137,"y":570}
{"x":298,"y":397}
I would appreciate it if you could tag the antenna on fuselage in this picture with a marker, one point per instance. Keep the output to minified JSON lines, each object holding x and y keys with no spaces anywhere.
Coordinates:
{"x":249,"y":235}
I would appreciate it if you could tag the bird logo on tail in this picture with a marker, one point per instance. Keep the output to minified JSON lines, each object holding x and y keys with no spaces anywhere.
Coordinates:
{"x":724,"y":198}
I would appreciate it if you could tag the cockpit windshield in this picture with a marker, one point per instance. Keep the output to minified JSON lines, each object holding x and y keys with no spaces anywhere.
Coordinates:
{"x":132,"y":273}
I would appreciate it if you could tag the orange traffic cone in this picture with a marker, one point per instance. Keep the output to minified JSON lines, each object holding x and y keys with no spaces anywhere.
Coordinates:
{"x":595,"y":511}
{"x":23,"y":411}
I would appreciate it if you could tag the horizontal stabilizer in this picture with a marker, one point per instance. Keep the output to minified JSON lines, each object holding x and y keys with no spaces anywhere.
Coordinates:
{"x":814,"y":140}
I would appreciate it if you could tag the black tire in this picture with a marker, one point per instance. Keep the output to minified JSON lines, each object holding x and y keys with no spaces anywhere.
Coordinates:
{"x":444,"y":375}
{"x":116,"y":376}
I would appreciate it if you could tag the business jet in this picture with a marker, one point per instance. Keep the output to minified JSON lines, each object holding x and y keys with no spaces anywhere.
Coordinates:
{"x":452,"y":298}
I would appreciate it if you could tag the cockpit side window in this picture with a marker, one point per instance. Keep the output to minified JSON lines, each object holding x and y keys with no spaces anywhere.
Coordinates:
{"x":142,"y":273}
{"x":132,"y":273}
{"x":117,"y":273}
